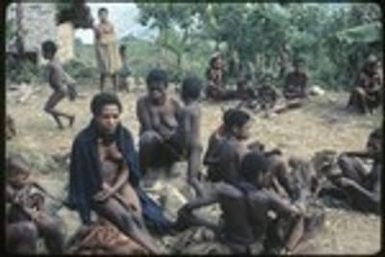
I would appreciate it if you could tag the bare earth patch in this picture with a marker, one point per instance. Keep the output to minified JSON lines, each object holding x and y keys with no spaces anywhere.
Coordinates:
{"x":321,"y":124}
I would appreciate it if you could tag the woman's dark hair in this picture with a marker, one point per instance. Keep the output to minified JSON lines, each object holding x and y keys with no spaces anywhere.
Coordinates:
{"x":102,"y":99}
{"x":157,"y":75}
{"x":49,"y":47}
{"x":191,"y":88}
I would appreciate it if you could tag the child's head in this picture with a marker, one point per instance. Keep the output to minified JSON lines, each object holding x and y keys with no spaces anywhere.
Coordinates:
{"x":103,"y":13}
{"x":254,"y":168}
{"x":157,"y":83}
{"x":238,"y":122}
{"x":17,"y":171}
{"x":191,"y":88}
{"x":49,"y":49}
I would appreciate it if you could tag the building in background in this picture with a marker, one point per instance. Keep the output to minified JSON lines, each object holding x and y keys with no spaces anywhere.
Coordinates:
{"x":30,"y":24}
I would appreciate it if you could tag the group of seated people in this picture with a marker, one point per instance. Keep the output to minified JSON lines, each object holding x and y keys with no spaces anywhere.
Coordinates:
{"x":366,"y":94}
{"x":264,"y":198}
{"x":295,"y":85}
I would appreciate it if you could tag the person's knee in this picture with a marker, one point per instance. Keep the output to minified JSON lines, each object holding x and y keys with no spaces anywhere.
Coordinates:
{"x":28,"y":231}
{"x":50,"y":228}
{"x":148,"y":139}
{"x":343,"y":160}
{"x":277,"y":162}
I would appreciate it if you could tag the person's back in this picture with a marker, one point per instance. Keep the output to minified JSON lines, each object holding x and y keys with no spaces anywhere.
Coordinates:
{"x":226,"y":154}
{"x":230,"y":153}
{"x":237,"y":227}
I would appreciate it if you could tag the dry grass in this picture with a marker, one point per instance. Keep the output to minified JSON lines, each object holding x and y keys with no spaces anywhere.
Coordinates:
{"x":322,"y":124}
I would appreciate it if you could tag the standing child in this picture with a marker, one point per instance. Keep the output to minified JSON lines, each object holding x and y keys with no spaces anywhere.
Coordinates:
{"x":60,"y":82}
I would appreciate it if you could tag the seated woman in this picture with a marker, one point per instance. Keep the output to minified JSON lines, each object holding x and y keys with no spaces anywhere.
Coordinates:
{"x":104,"y":175}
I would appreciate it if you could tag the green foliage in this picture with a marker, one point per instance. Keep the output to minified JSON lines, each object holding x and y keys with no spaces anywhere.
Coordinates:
{"x":25,"y":71}
{"x":366,"y":33}
{"x":333,"y":41}
{"x":81,"y":72}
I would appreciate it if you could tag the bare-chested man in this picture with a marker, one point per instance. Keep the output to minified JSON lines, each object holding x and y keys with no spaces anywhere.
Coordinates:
{"x":367,"y":93}
{"x":248,"y":209}
{"x":363,"y":186}
{"x":104,"y":173}
{"x":229,"y":143}
{"x":233,"y":147}
{"x":296,"y":82}
{"x":158,"y":115}
{"x":60,"y":82}
{"x":27,"y":218}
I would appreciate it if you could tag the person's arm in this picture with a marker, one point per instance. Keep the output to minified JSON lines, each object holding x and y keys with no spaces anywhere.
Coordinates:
{"x":77,"y":183}
{"x":353,"y":185}
{"x":56,"y":77}
{"x":107,"y":190}
{"x":361,"y":81}
{"x":192,"y":133}
{"x":228,"y":162}
{"x":376,"y":84}
{"x":281,"y":206}
{"x":208,"y":158}
{"x":187,"y":216}
{"x":143,"y":115}
{"x":96,"y":30}
{"x":359,"y":154}
{"x":65,"y":77}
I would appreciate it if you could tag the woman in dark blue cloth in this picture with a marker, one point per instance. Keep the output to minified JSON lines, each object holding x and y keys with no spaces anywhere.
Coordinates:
{"x":104,"y":176}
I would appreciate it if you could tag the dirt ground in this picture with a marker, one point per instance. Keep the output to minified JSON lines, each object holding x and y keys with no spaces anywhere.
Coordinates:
{"x":321,"y":124}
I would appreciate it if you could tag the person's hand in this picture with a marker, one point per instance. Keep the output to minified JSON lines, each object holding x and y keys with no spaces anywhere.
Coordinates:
{"x":345,"y":181}
{"x":103,"y":194}
{"x":301,"y":208}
